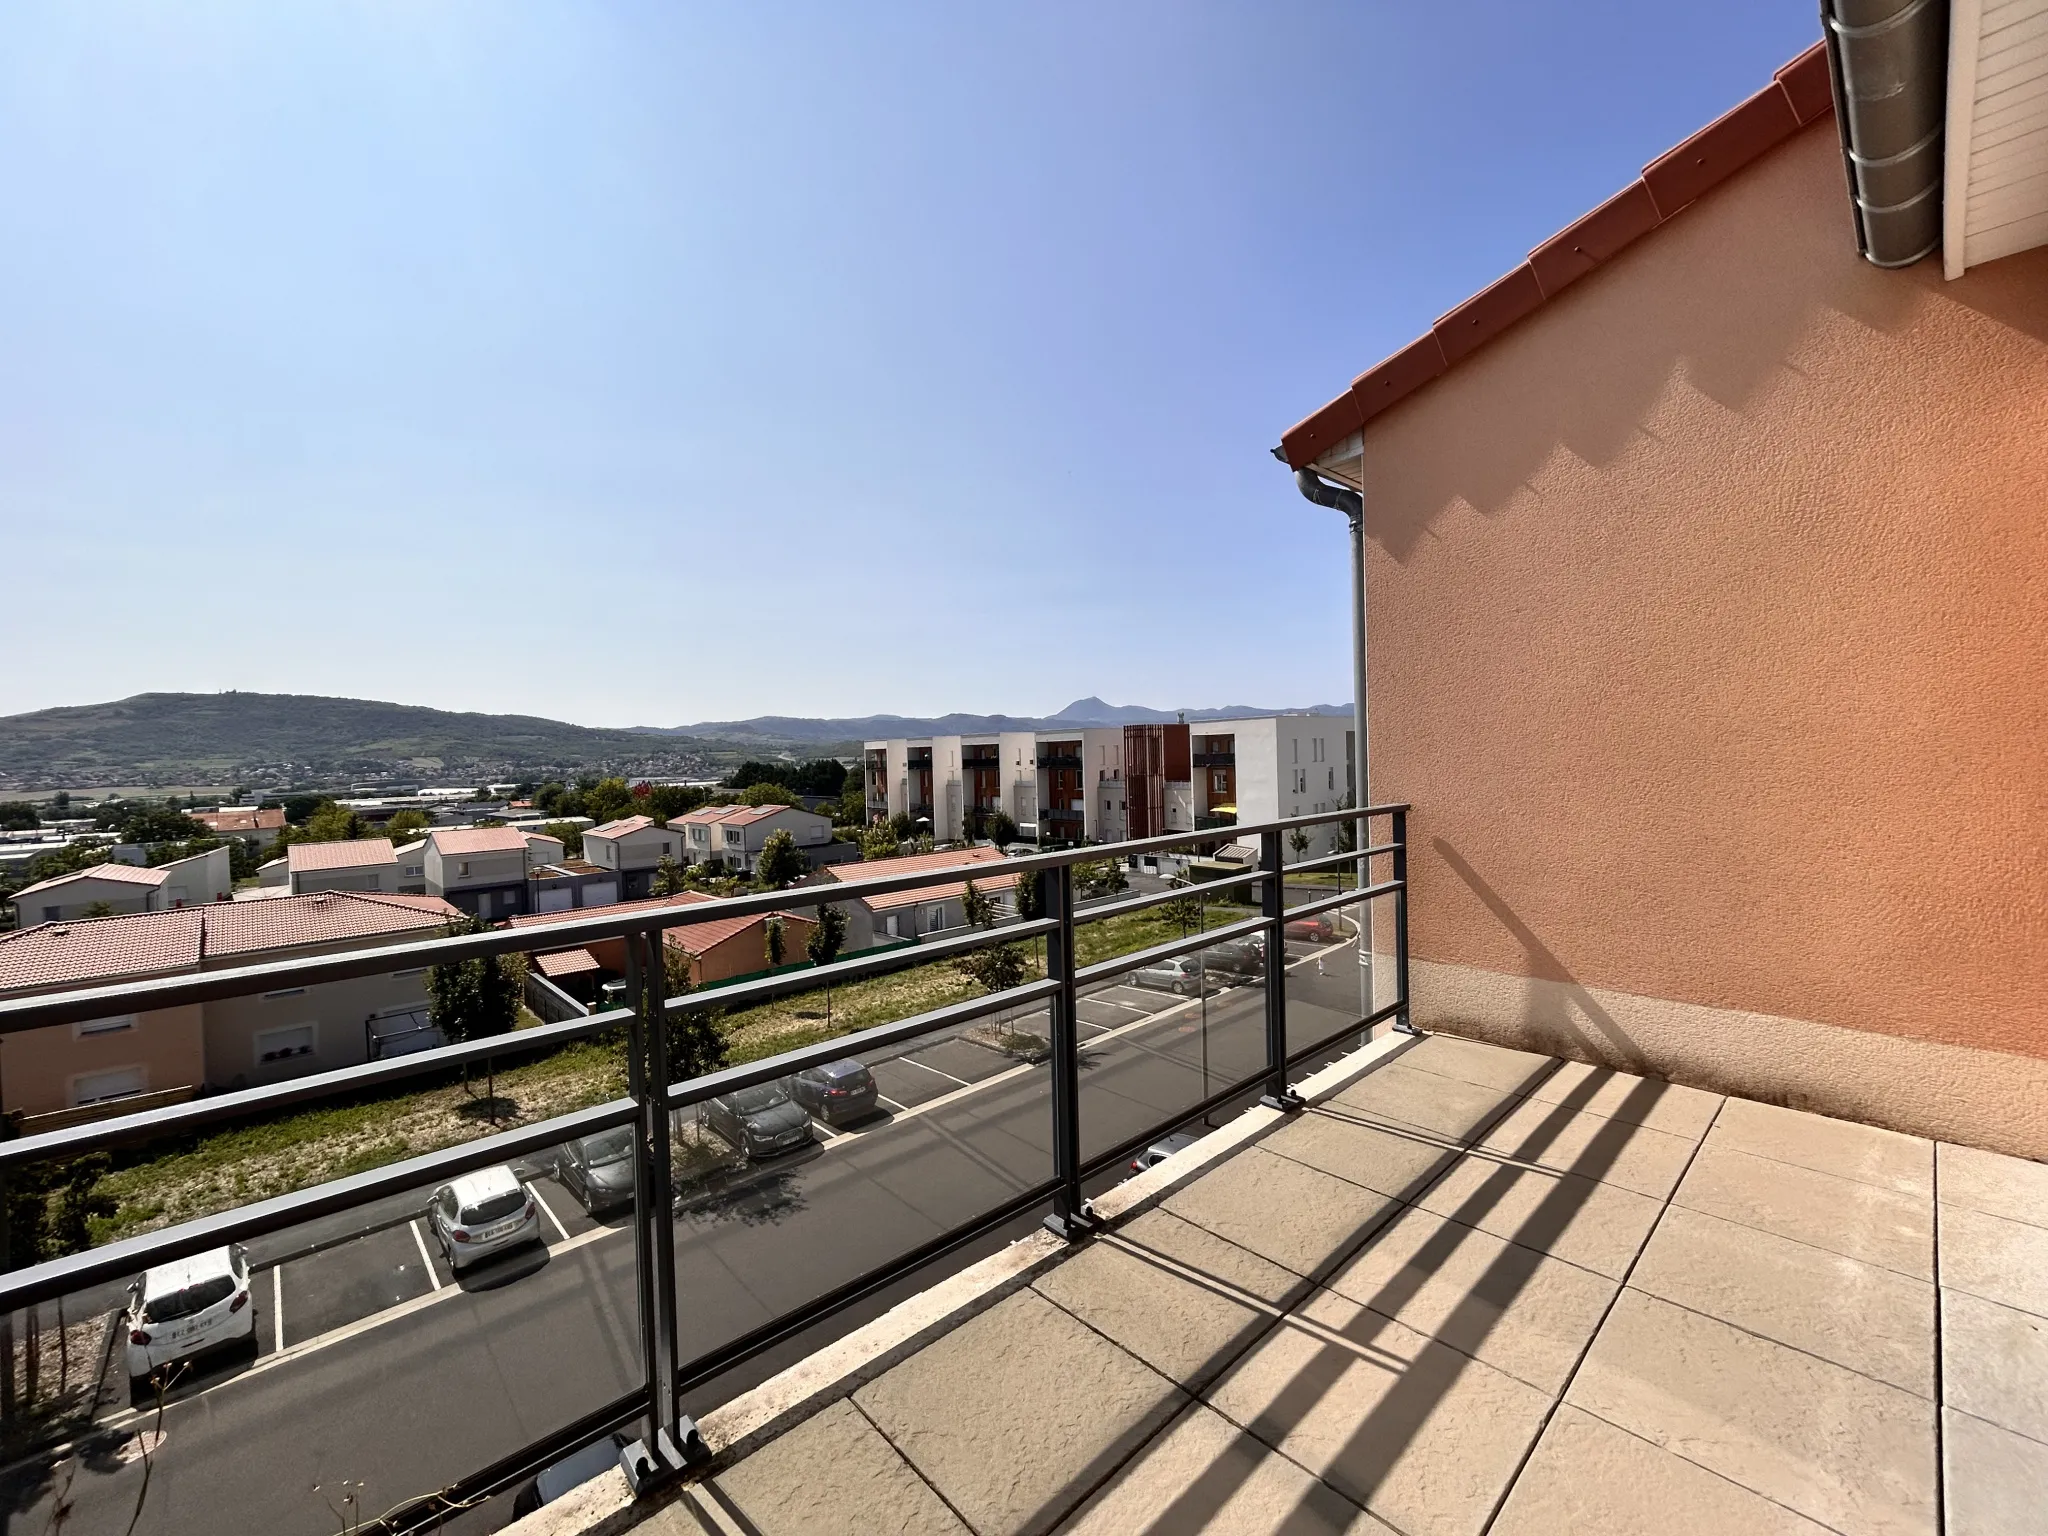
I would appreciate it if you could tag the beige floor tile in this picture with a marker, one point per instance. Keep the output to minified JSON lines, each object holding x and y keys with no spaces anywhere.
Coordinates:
{"x":1391,"y":1160}
{"x":2011,"y":1187}
{"x":1017,"y":1413}
{"x":1994,"y":1364}
{"x":1595,"y":1226}
{"x":1841,"y":1147}
{"x":1639,"y":1100}
{"x":1845,"y":1216}
{"x":1472,"y":1061}
{"x":1178,"y":1297}
{"x":1422,"y":1436}
{"x":1996,"y":1482}
{"x":1407,"y":1096}
{"x":1204,"y":1474}
{"x":1588,"y":1478}
{"x":1517,"y":1310}
{"x":1836,"y":1446}
{"x":778,"y":1491}
{"x":1612,"y":1151}
{"x":1326,"y":1216}
{"x":1994,"y":1258}
{"x":1870,"y":1319}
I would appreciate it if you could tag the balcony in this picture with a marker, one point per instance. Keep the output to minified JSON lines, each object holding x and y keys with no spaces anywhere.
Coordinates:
{"x":1215,"y":759}
{"x":1059,"y":760}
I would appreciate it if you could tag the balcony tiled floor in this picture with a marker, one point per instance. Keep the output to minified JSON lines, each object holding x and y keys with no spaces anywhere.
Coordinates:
{"x":1481,"y":1291}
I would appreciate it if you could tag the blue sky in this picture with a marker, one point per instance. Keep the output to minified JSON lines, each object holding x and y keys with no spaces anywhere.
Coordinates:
{"x":648,"y":363}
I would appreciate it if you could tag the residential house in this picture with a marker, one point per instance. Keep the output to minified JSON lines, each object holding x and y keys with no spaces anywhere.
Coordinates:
{"x":233,"y":1043}
{"x":721,"y":949}
{"x":631,"y":848}
{"x":412,"y":867}
{"x":566,"y":885}
{"x":121,"y":888}
{"x":250,"y":823}
{"x":923,"y":911}
{"x":732,"y":836}
{"x":1704,"y":577}
{"x":482,"y":870}
{"x":353,"y":864}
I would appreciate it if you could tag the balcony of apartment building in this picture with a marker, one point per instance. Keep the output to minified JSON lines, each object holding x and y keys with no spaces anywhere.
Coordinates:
{"x":1060,"y":754}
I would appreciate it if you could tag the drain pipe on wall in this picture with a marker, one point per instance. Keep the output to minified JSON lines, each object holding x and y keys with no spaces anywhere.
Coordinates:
{"x":1339,"y":498}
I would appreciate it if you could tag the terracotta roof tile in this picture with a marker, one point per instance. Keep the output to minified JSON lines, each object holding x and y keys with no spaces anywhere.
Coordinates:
{"x":239,"y":821}
{"x":880,"y":869}
{"x":324,"y":917}
{"x":645,"y":904}
{"x":460,"y":840}
{"x":698,"y":938}
{"x":119,"y":874}
{"x":351,"y":853}
{"x":1800,"y":93}
{"x":567,"y":962}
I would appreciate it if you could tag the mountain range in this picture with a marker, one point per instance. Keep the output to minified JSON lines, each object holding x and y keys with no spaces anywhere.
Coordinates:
{"x":278,"y":738}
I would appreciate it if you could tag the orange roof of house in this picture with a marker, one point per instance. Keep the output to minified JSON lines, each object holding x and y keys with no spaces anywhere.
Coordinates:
{"x":1799,"y":94}
{"x":239,"y":821}
{"x":700,"y":938}
{"x":350,"y":853}
{"x":120,"y":874}
{"x":621,"y":828}
{"x":645,"y":904}
{"x":88,"y":950}
{"x":911,"y":863}
{"x":479,"y":840}
{"x":709,"y":813}
{"x":567,"y":962}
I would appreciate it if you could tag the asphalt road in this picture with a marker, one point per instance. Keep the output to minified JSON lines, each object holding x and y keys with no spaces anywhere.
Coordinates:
{"x":378,"y":1376}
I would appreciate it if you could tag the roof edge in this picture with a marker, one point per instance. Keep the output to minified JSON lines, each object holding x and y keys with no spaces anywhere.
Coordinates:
{"x":1799,"y":94}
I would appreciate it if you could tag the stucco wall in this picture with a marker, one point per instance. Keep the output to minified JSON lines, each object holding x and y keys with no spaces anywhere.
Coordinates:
{"x":37,"y":1065}
{"x":1709,"y":637}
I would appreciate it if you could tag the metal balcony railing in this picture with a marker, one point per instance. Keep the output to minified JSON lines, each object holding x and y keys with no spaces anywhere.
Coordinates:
{"x":656,"y":1105}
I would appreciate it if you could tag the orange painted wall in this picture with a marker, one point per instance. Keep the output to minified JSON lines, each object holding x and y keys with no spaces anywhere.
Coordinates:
{"x":1709,"y":627}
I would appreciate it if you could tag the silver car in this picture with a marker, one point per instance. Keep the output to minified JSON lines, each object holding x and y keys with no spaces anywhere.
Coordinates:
{"x":482,"y":1213}
{"x":1180,"y":975}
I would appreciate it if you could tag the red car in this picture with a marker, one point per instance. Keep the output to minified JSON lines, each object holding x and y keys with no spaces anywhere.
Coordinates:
{"x":1316,"y":930}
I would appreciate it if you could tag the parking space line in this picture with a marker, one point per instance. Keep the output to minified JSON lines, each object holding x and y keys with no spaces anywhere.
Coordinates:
{"x":547,"y":1210}
{"x":949,"y":1077}
{"x":426,"y":1258}
{"x":277,"y":1303}
{"x":889,"y":1104}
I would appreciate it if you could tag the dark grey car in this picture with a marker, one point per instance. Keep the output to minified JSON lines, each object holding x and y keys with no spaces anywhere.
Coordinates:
{"x":837,"y":1092}
{"x":762,"y":1121}
{"x":598,"y":1170}
{"x":1236,"y":962}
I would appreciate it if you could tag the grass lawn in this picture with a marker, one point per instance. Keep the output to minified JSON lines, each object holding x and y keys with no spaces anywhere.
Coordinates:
{"x":235,"y":1167}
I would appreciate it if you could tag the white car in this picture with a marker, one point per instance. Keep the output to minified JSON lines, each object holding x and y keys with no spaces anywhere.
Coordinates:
{"x":482,"y":1213}
{"x":177,"y":1311}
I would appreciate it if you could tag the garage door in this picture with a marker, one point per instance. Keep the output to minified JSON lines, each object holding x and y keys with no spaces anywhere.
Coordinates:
{"x":554,"y":901}
{"x":601,"y":893}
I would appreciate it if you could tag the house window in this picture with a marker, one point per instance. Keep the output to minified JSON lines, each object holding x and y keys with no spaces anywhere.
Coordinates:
{"x":287,"y":1044}
{"x":114,"y":1083}
{"x":51,"y":914}
{"x":462,"y":870}
{"x":1333,"y":778}
{"x":114,"y":1026}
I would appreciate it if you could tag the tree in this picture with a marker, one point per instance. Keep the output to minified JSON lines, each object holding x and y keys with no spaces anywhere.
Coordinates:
{"x":1347,"y":831}
{"x":995,"y":968}
{"x":1184,"y":912}
{"x":61,"y":802}
{"x":880,"y":842}
{"x":333,"y":823}
{"x":972,"y":822}
{"x":1001,"y":830}
{"x":770,"y":794}
{"x":299,"y":808}
{"x":669,"y":879}
{"x":781,"y":862}
{"x":753,"y":771}
{"x":825,"y":776}
{"x":471,"y":999}
{"x":902,"y":825}
{"x":667,"y":800}
{"x":569,"y":834}
{"x":1026,"y":888}
{"x":1100,"y":877}
{"x":1298,"y":841}
{"x":18,"y":816}
{"x":852,"y":810}
{"x":696,"y":1045}
{"x":823,"y":945}
{"x":406,"y":825}
{"x":608,"y":800}
{"x":979,"y":911}
{"x":773,"y":931}
{"x":160,"y":824}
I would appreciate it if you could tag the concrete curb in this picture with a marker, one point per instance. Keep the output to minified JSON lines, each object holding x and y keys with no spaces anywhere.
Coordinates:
{"x":604,"y":1507}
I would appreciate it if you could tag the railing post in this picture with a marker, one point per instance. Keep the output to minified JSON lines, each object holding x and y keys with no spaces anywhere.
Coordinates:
{"x":1402,"y":1023}
{"x":1273,"y":906}
{"x":1069,"y":1218}
{"x":672,"y":1442}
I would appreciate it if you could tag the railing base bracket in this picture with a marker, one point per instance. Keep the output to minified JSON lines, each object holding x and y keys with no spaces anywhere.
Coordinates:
{"x":1072,"y":1229}
{"x":1286,"y":1102}
{"x":649,"y":1468}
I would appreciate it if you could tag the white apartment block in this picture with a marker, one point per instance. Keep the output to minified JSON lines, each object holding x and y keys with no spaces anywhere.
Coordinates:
{"x":1101,"y":784}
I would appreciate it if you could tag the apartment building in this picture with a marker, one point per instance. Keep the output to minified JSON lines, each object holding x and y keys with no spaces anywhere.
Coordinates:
{"x":631,"y":848}
{"x":122,"y":888}
{"x":228,"y":1044}
{"x":1104,"y":783}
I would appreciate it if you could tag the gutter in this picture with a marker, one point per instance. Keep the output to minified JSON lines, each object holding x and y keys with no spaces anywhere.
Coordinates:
{"x":1889,"y":61}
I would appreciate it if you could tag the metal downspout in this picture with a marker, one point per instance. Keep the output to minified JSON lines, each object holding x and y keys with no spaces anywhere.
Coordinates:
{"x":1889,"y":59}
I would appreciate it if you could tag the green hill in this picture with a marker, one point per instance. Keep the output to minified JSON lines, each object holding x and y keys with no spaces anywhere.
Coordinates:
{"x":260,"y":738}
